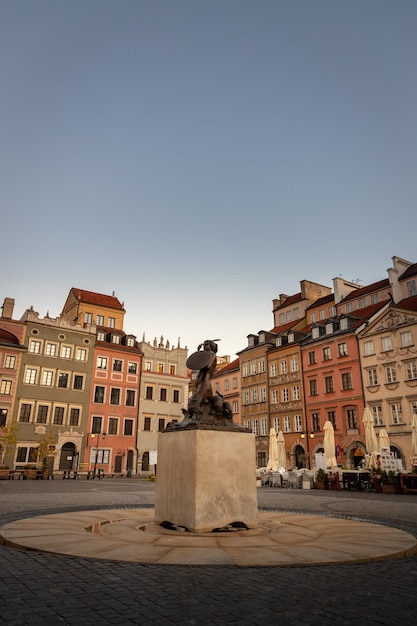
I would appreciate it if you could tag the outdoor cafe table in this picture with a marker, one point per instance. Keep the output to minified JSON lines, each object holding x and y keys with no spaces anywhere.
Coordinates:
{"x":359,"y":480}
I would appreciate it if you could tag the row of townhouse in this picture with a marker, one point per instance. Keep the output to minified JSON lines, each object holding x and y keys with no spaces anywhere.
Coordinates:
{"x":330,"y":353}
{"x":75,"y":390}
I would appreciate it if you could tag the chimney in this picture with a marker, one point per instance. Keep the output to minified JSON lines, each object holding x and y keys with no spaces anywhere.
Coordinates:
{"x":8,"y":306}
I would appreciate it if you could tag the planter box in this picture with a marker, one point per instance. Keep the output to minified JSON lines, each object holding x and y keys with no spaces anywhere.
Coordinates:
{"x":321,"y":484}
{"x":390,"y":489}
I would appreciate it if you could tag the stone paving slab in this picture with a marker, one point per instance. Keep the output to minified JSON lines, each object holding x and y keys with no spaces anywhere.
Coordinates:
{"x":280,"y":539}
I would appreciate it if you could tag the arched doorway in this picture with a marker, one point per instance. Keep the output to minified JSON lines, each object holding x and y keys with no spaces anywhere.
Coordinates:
{"x":130,"y":459}
{"x":66,"y":459}
{"x":145,"y":462}
{"x":358,"y":456}
{"x":300,"y":457}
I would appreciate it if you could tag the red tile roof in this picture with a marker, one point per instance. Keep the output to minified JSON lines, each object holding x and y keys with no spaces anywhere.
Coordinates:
{"x":410,"y":271}
{"x":9,"y":338}
{"x":357,"y":293}
{"x":410,"y":304}
{"x":98,"y":299}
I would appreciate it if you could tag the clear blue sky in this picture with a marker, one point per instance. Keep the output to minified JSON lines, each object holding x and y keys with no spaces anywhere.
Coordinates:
{"x":200,"y":157}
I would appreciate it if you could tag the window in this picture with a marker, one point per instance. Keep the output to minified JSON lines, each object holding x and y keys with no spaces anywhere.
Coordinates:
{"x":372,"y":377}
{"x":66,"y":352}
{"x":349,"y":307}
{"x":42,"y":415}
{"x":58,"y":415}
{"x":99,"y":394}
{"x":322,"y":314}
{"x":217,"y":387}
{"x":254,"y":396}
{"x":315,"y":419}
{"x":288,"y":316}
{"x":112,"y":322}
{"x":130,"y":397}
{"x":281,"y":318}
{"x":352,"y":418}
{"x":313,"y":318}
{"x":172,"y":370}
{"x":261,"y":366}
{"x":115,"y":338}
{"x":297,"y":423}
{"x":255,"y":429}
{"x":96,"y":425}
{"x":74,"y":418}
{"x":25,"y":411}
{"x":410,"y":370}
{"x":285,"y":394}
{"x":235,"y":406}
{"x":148,"y":366}
{"x":234,"y":383}
{"x":328,"y":384}
{"x":226,"y":384}
{"x":344,"y":322}
{"x":176,"y":396}
{"x":51,"y":349}
{"x":117,"y":365}
{"x":331,"y":416}
{"x":253,"y":367}
{"x":411,"y":288}
{"x":163,"y":394}
{"x":34,"y":346}
{"x":149,"y":393}
{"x":114,"y":395}
{"x":101,"y":362}
{"x":406,"y":339}
{"x":113,"y":426}
{"x":374,"y":298}
{"x":312,"y":358}
{"x":264,"y":426}
{"x":315,"y":333}
{"x":30,"y":376}
{"x":343,"y":351}
{"x":6,"y":387}
{"x":130,"y":341}
{"x":294,"y":364}
{"x":296,"y":313}
{"x":287,"y":424}
{"x":390,"y":374}
{"x":78,"y":382}
{"x":332,"y":311}
{"x":396,"y":413}
{"x":347,"y":381}
{"x":296,"y":392}
{"x":81,"y":354}
{"x":101,"y":336}
{"x":100,"y":320}
{"x":283,"y":367}
{"x":276,"y":424}
{"x":132,"y":367}
{"x":326,"y":354}
{"x":386,"y":344}
{"x":161,"y":424}
{"x":88,"y":318}
{"x":313,"y":388}
{"x":3,"y":417}
{"x":329,"y":328}
{"x":63,"y":380}
{"x":275,"y":398}
{"x":362,"y":303}
{"x":47,"y":378}
{"x":147,"y":423}
{"x":245,"y":398}
{"x":413,"y":407}
{"x":160,"y":368}
{"x":369,"y":348}
{"x":262,"y":394}
{"x":377,"y":414}
{"x":291,"y":337}
{"x":273,"y":369}
{"x":10,"y":362}
{"x":128,"y":428}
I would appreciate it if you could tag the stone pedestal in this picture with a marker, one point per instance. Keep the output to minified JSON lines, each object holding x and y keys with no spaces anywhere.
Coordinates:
{"x":206,"y":479}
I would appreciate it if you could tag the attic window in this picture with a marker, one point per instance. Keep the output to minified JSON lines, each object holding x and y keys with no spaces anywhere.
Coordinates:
{"x":315,"y":333}
{"x":278,"y":342}
{"x":344,"y":323}
{"x":262,"y":338}
{"x":115,"y":338}
{"x":130,"y":341}
{"x":291,"y":338}
{"x":329,"y":328}
{"x":251,"y":341}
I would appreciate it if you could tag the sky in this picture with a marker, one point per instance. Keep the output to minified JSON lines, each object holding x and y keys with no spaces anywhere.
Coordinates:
{"x":200,"y":157}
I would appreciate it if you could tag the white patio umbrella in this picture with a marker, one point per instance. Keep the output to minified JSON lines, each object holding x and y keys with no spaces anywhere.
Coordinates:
{"x":272,"y":465}
{"x":414,"y":435}
{"x":383,"y":439}
{"x":282,"y":456}
{"x":329,"y":445}
{"x":371,"y":441}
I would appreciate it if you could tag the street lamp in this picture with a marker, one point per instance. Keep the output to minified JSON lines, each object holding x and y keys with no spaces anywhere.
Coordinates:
{"x":307,"y":435}
{"x":98,"y":435}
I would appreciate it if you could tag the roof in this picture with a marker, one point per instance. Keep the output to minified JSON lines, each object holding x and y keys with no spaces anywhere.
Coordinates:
{"x":6,"y":337}
{"x":297,"y":297}
{"x":357,"y":293}
{"x":321,"y":301}
{"x":230,"y":367}
{"x":410,"y":304}
{"x":98,"y":299}
{"x":410,"y":271}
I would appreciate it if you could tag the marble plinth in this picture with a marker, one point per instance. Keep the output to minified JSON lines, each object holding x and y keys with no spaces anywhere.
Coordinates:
{"x":206,"y":479}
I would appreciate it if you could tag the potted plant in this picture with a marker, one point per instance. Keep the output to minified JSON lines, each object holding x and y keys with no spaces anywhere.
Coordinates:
{"x":320,"y":481}
{"x":390,"y":482}
{"x":376,"y":475}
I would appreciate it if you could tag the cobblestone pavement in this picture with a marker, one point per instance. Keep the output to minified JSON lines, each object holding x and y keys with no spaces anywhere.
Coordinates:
{"x":40,"y":588}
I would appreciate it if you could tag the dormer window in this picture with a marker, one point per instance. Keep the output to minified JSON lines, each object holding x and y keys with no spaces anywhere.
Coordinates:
{"x":291,"y":338}
{"x":101,"y":336}
{"x":329,"y":328}
{"x":315,"y":333}
{"x":251,"y":341}
{"x":130,"y":341}
{"x":344,"y":323}
{"x":278,"y":342}
{"x":115,"y":338}
{"x":262,"y":338}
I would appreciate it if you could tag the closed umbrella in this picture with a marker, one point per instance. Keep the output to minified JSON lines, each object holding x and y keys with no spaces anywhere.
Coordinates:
{"x":282,"y":456}
{"x":371,"y":441}
{"x":329,"y":445}
{"x":383,"y":439}
{"x":414,"y":435}
{"x":272,"y":465}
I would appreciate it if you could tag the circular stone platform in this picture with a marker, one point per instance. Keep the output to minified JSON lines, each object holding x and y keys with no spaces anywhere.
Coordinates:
{"x":280,"y":539}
